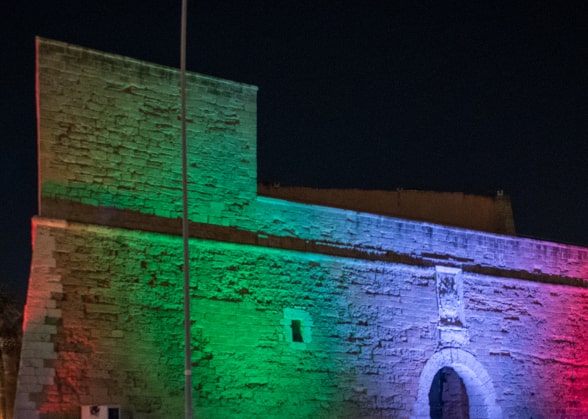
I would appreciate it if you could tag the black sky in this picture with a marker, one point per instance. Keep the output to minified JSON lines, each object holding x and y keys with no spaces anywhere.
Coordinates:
{"x":447,"y":96}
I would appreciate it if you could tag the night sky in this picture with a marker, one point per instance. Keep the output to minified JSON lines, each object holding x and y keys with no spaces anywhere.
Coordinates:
{"x":446,"y":96}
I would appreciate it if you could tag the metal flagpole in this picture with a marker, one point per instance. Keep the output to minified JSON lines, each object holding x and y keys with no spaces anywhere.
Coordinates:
{"x":185,"y":225}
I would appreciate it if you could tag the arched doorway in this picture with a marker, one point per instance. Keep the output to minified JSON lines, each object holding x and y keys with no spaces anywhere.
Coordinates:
{"x":458,"y":366}
{"x":448,"y":397}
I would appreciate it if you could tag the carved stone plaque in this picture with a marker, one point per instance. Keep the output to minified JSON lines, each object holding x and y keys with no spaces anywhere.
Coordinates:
{"x":450,"y":301}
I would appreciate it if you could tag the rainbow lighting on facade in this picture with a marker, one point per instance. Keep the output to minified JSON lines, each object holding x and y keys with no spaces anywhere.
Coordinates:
{"x":298,"y":311}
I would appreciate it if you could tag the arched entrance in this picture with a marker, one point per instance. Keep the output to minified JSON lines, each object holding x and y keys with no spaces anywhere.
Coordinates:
{"x":448,"y":397}
{"x":461,"y":369}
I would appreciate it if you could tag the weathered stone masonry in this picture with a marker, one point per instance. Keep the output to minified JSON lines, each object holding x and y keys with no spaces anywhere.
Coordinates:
{"x":382,"y":304}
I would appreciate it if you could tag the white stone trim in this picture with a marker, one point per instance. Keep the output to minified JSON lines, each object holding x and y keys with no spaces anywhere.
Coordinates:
{"x":479,"y":386}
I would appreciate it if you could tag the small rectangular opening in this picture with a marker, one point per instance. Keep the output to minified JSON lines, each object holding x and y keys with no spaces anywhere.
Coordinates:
{"x":296,"y":331}
{"x":113,"y":413}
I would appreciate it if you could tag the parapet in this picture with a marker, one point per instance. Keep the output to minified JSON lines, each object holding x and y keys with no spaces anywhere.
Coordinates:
{"x":492,"y":214}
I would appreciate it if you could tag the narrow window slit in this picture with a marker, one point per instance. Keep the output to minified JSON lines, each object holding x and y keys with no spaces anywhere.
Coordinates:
{"x":296,"y":331}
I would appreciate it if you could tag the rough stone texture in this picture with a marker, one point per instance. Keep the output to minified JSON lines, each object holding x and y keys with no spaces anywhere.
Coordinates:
{"x":485,"y":213}
{"x":381,"y":304}
{"x":374,"y":325}
{"x":109,"y":136}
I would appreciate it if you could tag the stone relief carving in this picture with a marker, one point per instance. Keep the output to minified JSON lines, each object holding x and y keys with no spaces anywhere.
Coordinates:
{"x":452,"y":331}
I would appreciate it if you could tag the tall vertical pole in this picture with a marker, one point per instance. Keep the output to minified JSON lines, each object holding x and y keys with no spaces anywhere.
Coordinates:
{"x":185,"y":224}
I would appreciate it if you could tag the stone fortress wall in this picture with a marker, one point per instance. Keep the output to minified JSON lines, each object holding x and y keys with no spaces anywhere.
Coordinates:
{"x":299,"y":310}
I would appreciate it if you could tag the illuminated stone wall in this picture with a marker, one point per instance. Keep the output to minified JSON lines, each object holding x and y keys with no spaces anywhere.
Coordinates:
{"x":109,"y":138}
{"x":492,"y":214}
{"x":299,"y":310}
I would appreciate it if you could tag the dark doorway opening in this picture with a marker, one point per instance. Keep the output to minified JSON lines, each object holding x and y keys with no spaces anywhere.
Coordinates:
{"x":448,"y":397}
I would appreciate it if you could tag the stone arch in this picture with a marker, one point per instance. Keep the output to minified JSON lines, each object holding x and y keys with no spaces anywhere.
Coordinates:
{"x":479,"y":386}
